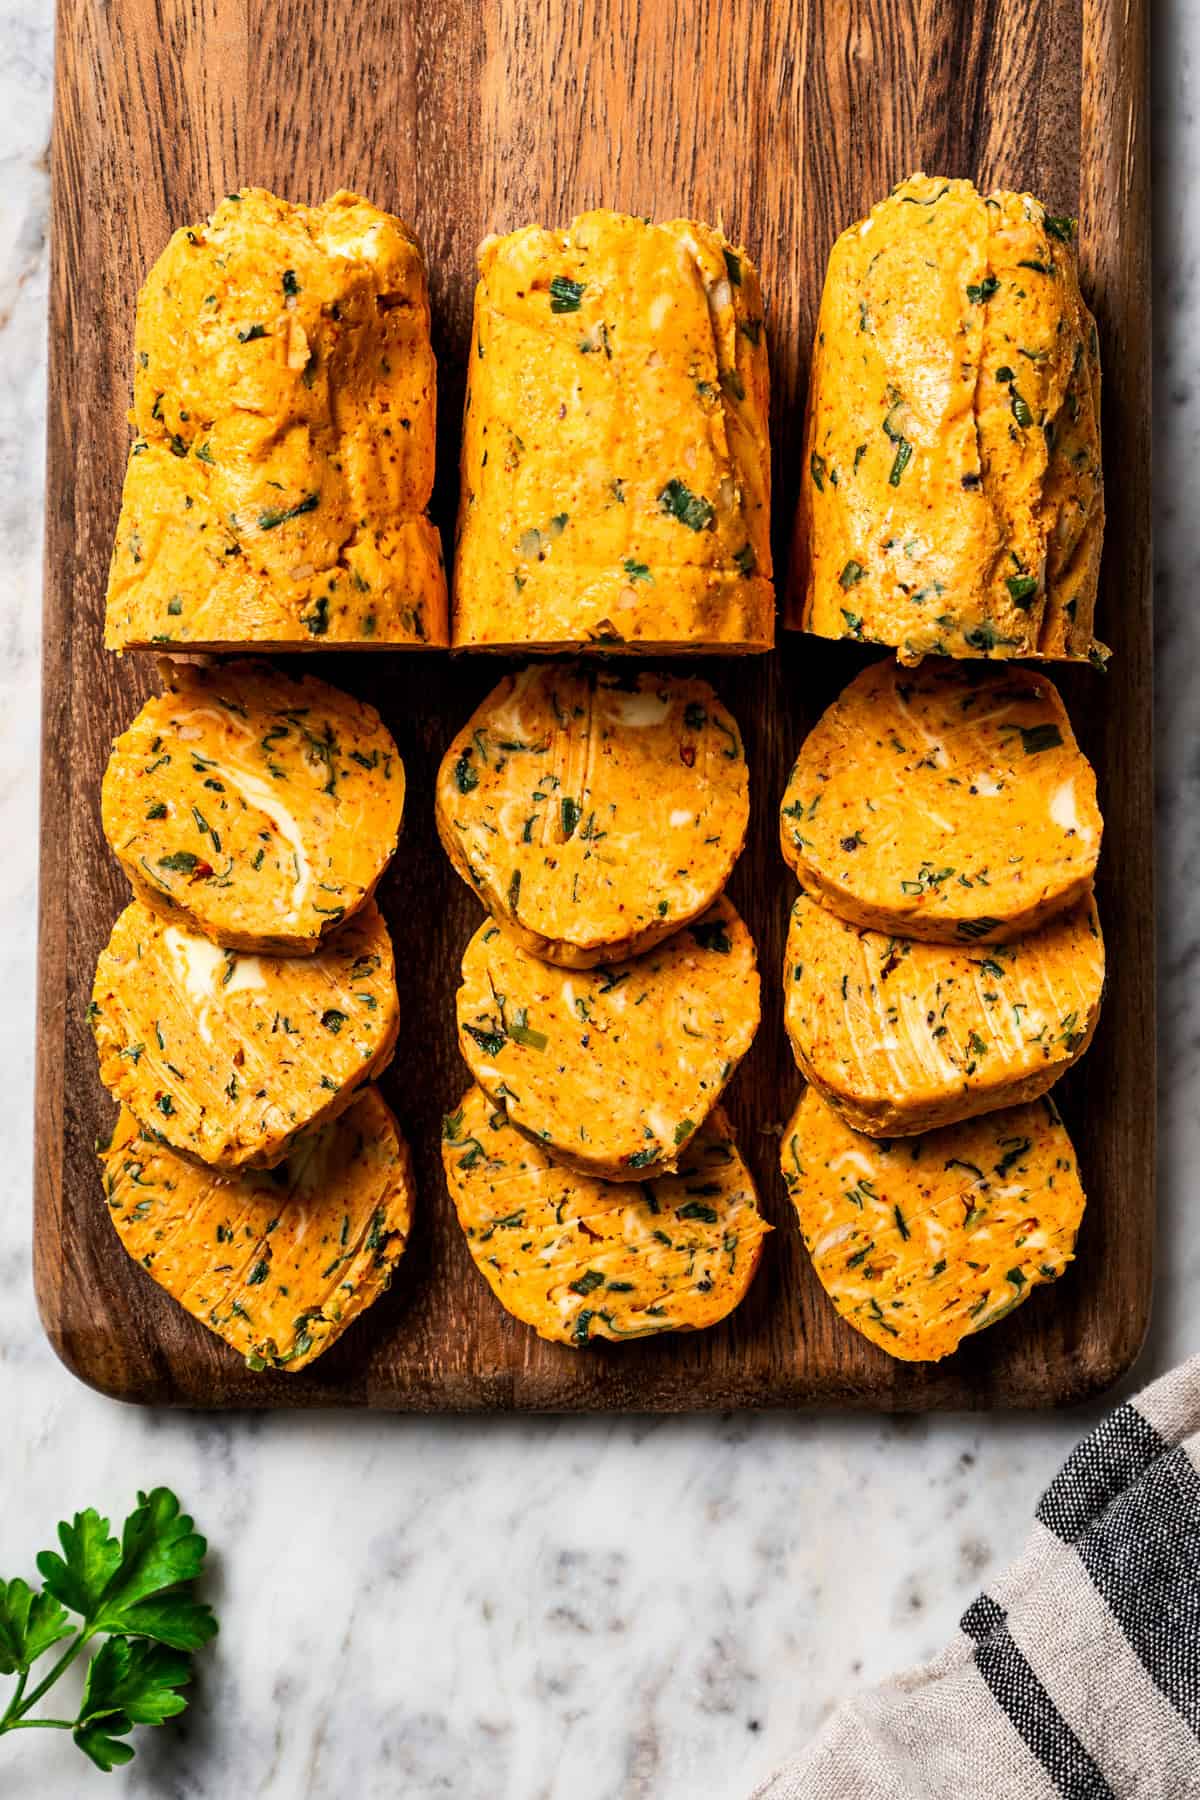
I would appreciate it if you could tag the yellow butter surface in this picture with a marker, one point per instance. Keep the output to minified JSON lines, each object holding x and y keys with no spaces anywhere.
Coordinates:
{"x":945,"y":802}
{"x":594,"y":813}
{"x":952,"y":496}
{"x":226,"y":1056}
{"x":901,"y":1036}
{"x":580,"y":1259}
{"x":613,"y":1069}
{"x":277,"y":1262}
{"x":921,"y":1241}
{"x":257,"y":808}
{"x":283,"y":406}
{"x":616,"y":457}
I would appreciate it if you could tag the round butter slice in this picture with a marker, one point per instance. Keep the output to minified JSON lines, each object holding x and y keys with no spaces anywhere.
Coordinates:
{"x":945,"y":802}
{"x":611,"y":1069}
{"x":593,"y":812}
{"x":257,"y":808}
{"x":921,"y":1242}
{"x":228,"y":1057}
{"x":580,"y":1259}
{"x":279,"y":1262}
{"x":901,"y":1036}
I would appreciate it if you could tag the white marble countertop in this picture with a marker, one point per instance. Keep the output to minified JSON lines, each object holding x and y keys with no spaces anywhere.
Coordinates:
{"x":607,"y":1609}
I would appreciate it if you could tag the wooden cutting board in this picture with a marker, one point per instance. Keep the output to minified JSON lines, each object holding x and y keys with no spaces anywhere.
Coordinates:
{"x":784,"y":122}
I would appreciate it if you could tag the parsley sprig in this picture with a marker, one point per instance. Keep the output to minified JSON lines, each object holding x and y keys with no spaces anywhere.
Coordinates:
{"x":138,"y":1595}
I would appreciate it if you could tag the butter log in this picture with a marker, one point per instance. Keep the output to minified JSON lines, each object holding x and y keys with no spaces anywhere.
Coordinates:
{"x":951,"y":495}
{"x":283,"y":406}
{"x":615,"y":459}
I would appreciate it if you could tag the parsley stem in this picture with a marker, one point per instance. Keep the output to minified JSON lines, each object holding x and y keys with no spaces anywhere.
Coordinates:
{"x":14,"y":1699}
{"x":40,"y":1724}
{"x":64,"y":1662}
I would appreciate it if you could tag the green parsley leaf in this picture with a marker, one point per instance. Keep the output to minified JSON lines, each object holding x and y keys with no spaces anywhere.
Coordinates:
{"x":96,"y":1740}
{"x":139,"y":1593}
{"x":30,"y":1624}
{"x":90,"y":1560}
{"x":137,"y":1679}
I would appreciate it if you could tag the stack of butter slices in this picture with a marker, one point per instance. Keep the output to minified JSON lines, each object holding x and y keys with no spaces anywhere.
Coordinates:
{"x":275,"y":498}
{"x":246,"y":1000}
{"x":605,"y":1002}
{"x":944,"y":967}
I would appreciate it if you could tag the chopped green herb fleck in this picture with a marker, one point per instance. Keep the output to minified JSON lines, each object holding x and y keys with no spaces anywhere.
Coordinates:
{"x":565,"y":294}
{"x":267,"y":521}
{"x":1022,"y":589}
{"x":978,"y":292}
{"x":1039,"y":737}
{"x":692,"y":510}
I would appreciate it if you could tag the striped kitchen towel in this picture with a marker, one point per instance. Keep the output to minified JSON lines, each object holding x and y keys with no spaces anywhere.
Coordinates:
{"x":1078,"y":1675}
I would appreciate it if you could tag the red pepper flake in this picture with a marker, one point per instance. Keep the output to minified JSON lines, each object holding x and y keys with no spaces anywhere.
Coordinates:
{"x":687,"y":755}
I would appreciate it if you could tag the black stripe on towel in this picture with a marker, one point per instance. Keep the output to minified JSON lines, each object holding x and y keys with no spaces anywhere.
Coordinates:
{"x":982,"y":1617}
{"x":1143,"y":1556}
{"x":1029,"y":1708}
{"x":1110,"y":1459}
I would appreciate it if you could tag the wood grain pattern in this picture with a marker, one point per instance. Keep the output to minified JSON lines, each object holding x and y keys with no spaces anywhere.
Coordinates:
{"x":782,"y":121}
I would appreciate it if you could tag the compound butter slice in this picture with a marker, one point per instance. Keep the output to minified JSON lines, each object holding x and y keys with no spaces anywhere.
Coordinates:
{"x":228,"y":1057}
{"x":580,"y":1259}
{"x":901,"y":1036}
{"x":611,"y":1069}
{"x":257,"y":808}
{"x":594,"y":813}
{"x":945,"y":802}
{"x":280,"y":1262}
{"x":923,"y":1241}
